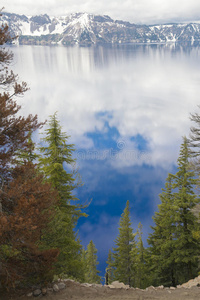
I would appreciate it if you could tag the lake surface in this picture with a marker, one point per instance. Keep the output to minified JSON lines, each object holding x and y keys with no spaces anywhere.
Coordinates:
{"x":126,"y":109}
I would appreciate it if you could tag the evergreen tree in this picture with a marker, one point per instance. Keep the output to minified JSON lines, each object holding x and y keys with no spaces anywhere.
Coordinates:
{"x":110,"y":268}
{"x":187,"y":246}
{"x":174,"y":246}
{"x":194,"y":151}
{"x":56,"y":158}
{"x":194,"y":140}
{"x":91,"y":274}
{"x":60,"y":234}
{"x":162,"y":239}
{"x":141,"y":279}
{"x":27,"y":154}
{"x":83,"y":263}
{"x":30,"y":205}
{"x":123,"y":252}
{"x":14,"y":128}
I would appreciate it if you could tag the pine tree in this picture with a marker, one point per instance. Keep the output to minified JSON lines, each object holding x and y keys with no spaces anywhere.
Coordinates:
{"x":110,"y":268}
{"x":187,"y":246}
{"x":56,"y":153}
{"x":194,"y":151}
{"x":14,"y":129}
{"x":56,"y":157}
{"x":162,"y":240}
{"x":28,"y":205}
{"x":28,"y":153}
{"x":174,"y":246}
{"x":194,"y":140}
{"x":125,"y":245}
{"x":141,"y":269}
{"x":83,"y":263}
{"x":91,"y":274}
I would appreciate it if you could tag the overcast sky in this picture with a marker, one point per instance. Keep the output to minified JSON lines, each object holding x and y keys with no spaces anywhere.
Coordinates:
{"x":136,"y":11}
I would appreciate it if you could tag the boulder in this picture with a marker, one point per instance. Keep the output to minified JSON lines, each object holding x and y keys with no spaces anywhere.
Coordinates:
{"x":118,"y":285}
{"x":61,"y":285}
{"x":86,"y":284}
{"x":68,"y":280}
{"x":160,"y":287}
{"x":55,"y":288}
{"x":29,"y":295}
{"x":44,"y":291}
{"x":150,"y":288}
{"x":37,"y":293}
{"x":191,"y":283}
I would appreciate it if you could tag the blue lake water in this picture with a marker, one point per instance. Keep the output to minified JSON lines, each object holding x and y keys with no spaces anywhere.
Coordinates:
{"x":126,"y":109}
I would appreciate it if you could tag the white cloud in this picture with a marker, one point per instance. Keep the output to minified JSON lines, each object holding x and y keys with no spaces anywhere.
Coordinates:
{"x":138,"y":11}
{"x":148,"y":93}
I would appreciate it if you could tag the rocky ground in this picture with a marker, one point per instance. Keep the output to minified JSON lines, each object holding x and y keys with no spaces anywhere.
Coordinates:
{"x":68,"y":289}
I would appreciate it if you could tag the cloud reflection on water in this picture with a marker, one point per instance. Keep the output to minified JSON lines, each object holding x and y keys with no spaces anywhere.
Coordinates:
{"x":126,"y":109}
{"x":145,"y":90}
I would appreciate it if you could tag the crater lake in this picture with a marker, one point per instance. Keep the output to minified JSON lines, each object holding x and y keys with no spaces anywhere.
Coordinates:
{"x":126,"y":109}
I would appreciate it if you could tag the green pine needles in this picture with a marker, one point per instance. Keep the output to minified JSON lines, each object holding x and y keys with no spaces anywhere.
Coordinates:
{"x":125,"y":245}
{"x":55,"y":163}
{"x":174,"y":246}
{"x":56,"y":157}
{"x":91,"y":263}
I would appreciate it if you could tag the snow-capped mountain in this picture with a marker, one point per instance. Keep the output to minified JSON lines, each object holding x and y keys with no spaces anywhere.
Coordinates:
{"x":86,"y":29}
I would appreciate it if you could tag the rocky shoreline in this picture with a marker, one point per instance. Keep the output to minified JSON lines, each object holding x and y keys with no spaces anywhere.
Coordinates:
{"x":62,"y":284}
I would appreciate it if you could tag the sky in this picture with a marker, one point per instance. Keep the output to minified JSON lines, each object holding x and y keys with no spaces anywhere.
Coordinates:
{"x":135,"y":11}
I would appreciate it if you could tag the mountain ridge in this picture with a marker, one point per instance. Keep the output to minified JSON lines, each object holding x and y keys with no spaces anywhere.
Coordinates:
{"x":87,"y":29}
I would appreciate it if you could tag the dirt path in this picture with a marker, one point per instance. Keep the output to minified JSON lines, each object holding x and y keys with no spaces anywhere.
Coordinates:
{"x":76,"y":291}
{"x":111,"y":294}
